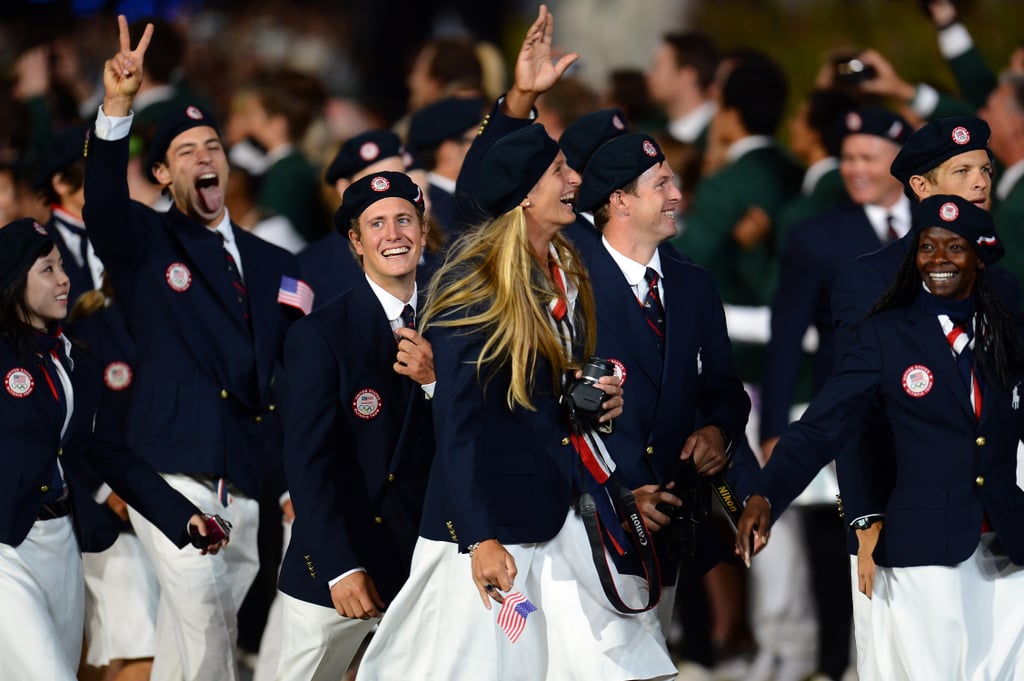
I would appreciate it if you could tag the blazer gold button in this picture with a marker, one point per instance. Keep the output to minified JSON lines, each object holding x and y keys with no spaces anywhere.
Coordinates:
{"x":258,"y":419}
{"x":60,"y":452}
{"x":271,"y":407}
{"x":224,"y":394}
{"x":650,"y":450}
{"x":44,"y":488}
{"x":391,"y":477}
{"x":979,"y":481}
{"x":565,"y":441}
{"x":980,"y":441}
{"x":377,"y":520}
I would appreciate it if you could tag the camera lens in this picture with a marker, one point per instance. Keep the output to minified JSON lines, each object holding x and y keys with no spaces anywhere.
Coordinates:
{"x":595,"y":368}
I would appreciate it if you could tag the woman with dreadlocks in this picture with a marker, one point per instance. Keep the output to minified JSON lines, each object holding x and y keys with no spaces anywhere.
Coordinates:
{"x":945,"y":358}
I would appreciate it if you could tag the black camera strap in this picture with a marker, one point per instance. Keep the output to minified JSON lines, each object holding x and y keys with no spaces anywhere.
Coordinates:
{"x":625,"y":504}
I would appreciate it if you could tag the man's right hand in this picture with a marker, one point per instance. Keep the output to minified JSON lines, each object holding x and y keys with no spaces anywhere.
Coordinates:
{"x":754,"y":524}
{"x":648,"y":498}
{"x":866,"y":542}
{"x":356,"y":596}
{"x":122,"y":73}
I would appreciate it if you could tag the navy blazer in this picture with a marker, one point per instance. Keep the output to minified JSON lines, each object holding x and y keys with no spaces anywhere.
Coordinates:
{"x":359,"y":442}
{"x":202,"y":400}
{"x":31,"y":418}
{"x":814,"y":252}
{"x":79,"y":276}
{"x":865,"y":463}
{"x":329,"y":267}
{"x":950,"y":468}
{"x":499,"y":473}
{"x":668,"y":395}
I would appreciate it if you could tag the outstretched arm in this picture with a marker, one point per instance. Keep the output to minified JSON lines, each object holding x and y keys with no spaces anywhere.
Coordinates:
{"x":535,"y":70}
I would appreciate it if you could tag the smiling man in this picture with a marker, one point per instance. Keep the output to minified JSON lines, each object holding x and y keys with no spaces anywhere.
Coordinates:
{"x":661,"y":322}
{"x":358,"y":436}
{"x":199,"y":296}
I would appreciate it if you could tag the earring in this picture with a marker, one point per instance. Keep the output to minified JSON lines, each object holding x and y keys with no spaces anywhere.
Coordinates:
{"x":526,"y":203}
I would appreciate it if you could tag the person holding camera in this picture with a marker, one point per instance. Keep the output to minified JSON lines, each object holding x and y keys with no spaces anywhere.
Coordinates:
{"x":49,"y":429}
{"x":509,"y":315}
{"x":944,"y":356}
{"x":660,"y":321}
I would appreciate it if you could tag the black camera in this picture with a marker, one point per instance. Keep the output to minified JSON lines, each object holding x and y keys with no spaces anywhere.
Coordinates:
{"x":853,"y":71}
{"x":680,"y":535}
{"x":583,"y":396}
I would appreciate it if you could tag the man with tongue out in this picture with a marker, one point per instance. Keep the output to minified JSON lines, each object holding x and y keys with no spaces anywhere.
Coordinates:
{"x":200,"y":298}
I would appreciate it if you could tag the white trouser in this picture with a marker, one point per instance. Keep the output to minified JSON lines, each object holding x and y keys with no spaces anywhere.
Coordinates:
{"x":42,"y":596}
{"x":273,"y":630}
{"x":197,"y":620}
{"x":961,"y":622}
{"x":317,"y":643}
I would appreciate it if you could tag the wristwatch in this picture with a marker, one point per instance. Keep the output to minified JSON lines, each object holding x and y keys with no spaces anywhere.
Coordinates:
{"x":866,"y":522}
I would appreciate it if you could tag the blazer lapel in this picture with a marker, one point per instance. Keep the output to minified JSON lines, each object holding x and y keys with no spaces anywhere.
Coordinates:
{"x":264,"y":315}
{"x":924,"y":331}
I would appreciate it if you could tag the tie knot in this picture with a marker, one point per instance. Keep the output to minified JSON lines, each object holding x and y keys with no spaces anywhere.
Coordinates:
{"x":651,"y":277}
{"x":408,"y":317}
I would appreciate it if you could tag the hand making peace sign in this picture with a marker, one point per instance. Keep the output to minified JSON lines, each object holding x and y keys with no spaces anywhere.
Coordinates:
{"x":122,"y":73}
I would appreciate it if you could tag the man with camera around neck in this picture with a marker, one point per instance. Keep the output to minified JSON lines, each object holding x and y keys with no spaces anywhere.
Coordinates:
{"x":660,"y":322}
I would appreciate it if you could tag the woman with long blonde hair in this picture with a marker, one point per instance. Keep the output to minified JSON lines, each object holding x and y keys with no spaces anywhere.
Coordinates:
{"x":510,"y":316}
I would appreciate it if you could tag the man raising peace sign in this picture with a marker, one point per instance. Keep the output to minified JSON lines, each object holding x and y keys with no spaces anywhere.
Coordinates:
{"x":199,"y":295}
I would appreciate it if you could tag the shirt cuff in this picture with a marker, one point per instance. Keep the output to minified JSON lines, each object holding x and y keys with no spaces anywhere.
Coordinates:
{"x":287,"y":496}
{"x":926,"y":98}
{"x":954,"y":41}
{"x":112,"y":128}
{"x":343,"y":575}
{"x":102,"y":494}
{"x":428,"y":389}
{"x":854,"y":522}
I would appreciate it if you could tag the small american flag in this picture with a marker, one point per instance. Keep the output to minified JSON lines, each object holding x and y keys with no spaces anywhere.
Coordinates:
{"x":512,"y":616}
{"x":295,"y":293}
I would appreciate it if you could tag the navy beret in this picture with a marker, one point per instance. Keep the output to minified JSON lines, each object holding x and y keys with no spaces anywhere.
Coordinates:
{"x":445,"y":119}
{"x":368,"y":190}
{"x":175,"y":122}
{"x":938,"y":141}
{"x":962,"y":217}
{"x":584,"y":135}
{"x":364,"y":150}
{"x":21,"y":242}
{"x":65,"y":148}
{"x":877,"y":121}
{"x":511,"y":168}
{"x":617,"y":163}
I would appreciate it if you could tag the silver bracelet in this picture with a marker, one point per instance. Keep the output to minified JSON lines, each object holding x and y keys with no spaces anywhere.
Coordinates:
{"x":471,"y":548}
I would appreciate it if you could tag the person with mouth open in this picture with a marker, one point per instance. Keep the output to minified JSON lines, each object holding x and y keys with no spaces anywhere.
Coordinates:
{"x":944,"y":357}
{"x":205,"y":303}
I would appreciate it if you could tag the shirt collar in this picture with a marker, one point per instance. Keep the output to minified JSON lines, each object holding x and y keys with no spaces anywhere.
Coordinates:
{"x":224,"y":229}
{"x":392,"y":306}
{"x":277,"y":154}
{"x":817,"y":171}
{"x":900,"y":212}
{"x":441,"y":182}
{"x":632,"y":270}
{"x":745,"y":145}
{"x":1009,"y":180}
{"x":688,"y":128}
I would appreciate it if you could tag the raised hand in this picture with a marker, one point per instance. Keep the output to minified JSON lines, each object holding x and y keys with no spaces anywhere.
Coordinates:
{"x":535,"y":70}
{"x":122,"y":73}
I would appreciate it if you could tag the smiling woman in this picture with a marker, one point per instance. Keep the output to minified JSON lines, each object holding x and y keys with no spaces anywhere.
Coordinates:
{"x":945,"y":359}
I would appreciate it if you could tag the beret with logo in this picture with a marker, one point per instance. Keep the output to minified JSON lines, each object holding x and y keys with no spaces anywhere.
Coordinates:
{"x":614,"y":165}
{"x":963,"y":218}
{"x":877,"y":121}
{"x":175,"y":122}
{"x":938,"y":141}
{"x":21,"y":242}
{"x":368,"y":190}
{"x":587,"y":133}
{"x":362,"y":151}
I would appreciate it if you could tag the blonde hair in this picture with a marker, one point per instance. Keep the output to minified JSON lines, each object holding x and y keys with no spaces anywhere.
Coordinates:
{"x":493,"y":282}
